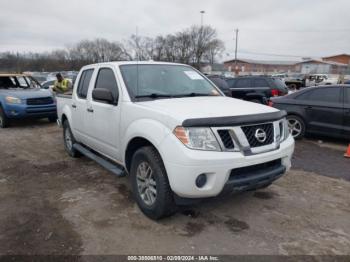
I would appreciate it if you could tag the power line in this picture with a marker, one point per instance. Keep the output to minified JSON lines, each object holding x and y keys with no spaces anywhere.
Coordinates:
{"x":339,"y":30}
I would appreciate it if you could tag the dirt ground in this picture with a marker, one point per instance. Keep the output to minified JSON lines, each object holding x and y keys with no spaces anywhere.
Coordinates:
{"x":53,"y":204}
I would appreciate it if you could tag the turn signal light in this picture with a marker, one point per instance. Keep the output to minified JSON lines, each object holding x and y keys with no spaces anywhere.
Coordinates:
{"x":180,"y":133}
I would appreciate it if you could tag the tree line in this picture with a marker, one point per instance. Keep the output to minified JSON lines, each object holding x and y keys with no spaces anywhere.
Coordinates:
{"x":190,"y":46}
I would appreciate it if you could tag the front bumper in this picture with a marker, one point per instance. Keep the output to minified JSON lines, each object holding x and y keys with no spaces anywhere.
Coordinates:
{"x":184,"y":165}
{"x":19,"y":111}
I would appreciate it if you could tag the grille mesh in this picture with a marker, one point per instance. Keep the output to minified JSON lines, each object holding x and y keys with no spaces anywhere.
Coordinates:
{"x":226,"y":138}
{"x":40,"y":101}
{"x":250,"y":131}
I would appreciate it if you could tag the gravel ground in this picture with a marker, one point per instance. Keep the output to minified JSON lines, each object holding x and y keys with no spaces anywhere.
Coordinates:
{"x":53,"y":204}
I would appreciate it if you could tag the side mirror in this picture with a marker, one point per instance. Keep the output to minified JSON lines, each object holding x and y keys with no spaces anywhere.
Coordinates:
{"x":103,"y":95}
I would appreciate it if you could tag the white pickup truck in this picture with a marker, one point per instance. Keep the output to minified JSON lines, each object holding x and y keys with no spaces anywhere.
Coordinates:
{"x":173,"y":132}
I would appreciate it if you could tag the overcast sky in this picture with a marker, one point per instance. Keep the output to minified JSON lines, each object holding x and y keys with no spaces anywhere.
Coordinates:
{"x":282,"y":27}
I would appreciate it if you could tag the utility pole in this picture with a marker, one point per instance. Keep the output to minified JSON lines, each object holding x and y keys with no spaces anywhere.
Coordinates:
{"x":236,"y":66}
{"x":137,"y":44}
{"x":202,"y":14}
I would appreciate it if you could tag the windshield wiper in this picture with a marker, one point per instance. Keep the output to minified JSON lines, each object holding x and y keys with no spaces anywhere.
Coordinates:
{"x":193,"y":94}
{"x":153,"y":95}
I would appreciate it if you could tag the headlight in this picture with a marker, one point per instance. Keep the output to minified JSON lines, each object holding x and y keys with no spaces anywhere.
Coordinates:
{"x":197,"y":138}
{"x":284,"y":130}
{"x":13,"y":100}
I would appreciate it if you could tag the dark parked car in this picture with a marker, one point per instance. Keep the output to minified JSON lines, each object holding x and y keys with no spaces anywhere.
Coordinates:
{"x":323,"y":110}
{"x":256,"y":89}
{"x":221,"y":83}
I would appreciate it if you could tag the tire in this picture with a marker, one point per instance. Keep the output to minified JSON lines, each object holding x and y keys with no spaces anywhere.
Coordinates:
{"x":150,"y":184}
{"x":69,"y":141}
{"x":52,"y":119}
{"x":296,"y":126}
{"x":4,"y":121}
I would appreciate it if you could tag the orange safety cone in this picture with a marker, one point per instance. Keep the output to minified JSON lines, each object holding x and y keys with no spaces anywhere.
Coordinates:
{"x":347,"y":154}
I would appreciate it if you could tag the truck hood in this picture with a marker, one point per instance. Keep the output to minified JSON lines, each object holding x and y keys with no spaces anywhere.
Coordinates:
{"x":179,"y":109}
{"x":26,"y":93}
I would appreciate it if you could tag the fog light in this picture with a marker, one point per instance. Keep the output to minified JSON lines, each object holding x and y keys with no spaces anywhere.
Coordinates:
{"x":14,"y":112}
{"x":201,"y":180}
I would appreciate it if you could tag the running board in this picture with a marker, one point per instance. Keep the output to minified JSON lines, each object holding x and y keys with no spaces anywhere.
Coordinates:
{"x":114,"y":168}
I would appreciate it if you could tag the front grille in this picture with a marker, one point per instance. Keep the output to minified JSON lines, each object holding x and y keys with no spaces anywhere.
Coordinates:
{"x":40,"y":101}
{"x":226,"y":138}
{"x":247,"y":171}
{"x":251,"y":131}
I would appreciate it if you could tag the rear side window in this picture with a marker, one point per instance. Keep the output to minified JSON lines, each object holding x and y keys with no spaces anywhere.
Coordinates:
{"x":278,"y":83}
{"x":243,"y":83}
{"x":220,"y":83}
{"x":106,"y":79}
{"x":259,"y":82}
{"x":329,"y":94}
{"x":84,"y":82}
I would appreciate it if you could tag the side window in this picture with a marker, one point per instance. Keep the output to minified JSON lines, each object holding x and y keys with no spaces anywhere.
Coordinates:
{"x":329,"y":94}
{"x":84,"y":82}
{"x":231,"y":82}
{"x":347,"y":95}
{"x":106,"y":79}
{"x":304,"y":96}
{"x":259,"y":82}
{"x":243,"y":83}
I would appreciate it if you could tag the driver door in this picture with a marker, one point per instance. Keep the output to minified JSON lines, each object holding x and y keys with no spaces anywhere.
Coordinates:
{"x":103,"y":119}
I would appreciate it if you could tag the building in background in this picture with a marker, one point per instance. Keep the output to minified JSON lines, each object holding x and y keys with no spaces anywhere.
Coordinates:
{"x":213,"y":69}
{"x":337,"y":64}
{"x":315,"y":66}
{"x":342,"y":59}
{"x":250,"y":66}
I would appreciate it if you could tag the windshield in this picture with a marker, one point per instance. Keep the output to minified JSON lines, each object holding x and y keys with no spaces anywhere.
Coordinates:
{"x":156,"y":81}
{"x":23,"y":82}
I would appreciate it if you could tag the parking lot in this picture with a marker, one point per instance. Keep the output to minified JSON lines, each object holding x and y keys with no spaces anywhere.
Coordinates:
{"x":53,"y":204}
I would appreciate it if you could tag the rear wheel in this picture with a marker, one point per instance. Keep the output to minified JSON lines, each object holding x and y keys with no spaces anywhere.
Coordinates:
{"x":296,"y":126}
{"x":69,"y":140}
{"x":4,"y":121}
{"x":150,"y":184}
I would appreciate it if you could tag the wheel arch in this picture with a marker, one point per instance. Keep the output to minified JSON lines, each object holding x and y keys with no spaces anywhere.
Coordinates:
{"x":133,"y":145}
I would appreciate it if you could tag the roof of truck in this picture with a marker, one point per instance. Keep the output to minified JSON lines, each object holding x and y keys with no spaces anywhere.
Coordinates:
{"x":12,"y":74}
{"x":149,"y":62}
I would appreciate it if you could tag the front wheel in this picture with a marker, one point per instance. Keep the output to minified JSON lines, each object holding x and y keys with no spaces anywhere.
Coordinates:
{"x":150,"y":184}
{"x":4,"y":121}
{"x":296,"y":126}
{"x":69,"y":140}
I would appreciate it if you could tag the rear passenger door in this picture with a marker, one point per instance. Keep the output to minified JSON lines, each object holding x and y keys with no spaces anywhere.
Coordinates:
{"x":261,"y":86}
{"x":347,"y":112}
{"x":103,"y":120}
{"x":240,"y":87}
{"x":79,"y":105}
{"x":324,"y":111}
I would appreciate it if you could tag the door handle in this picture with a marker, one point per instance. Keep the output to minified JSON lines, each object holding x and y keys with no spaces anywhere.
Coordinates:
{"x":74,"y":106}
{"x":308,"y":107}
{"x":90,"y":110}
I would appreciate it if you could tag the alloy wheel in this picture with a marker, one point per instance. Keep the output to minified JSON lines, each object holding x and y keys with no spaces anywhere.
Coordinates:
{"x":146,"y":183}
{"x":68,"y":139}
{"x":295,"y":127}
